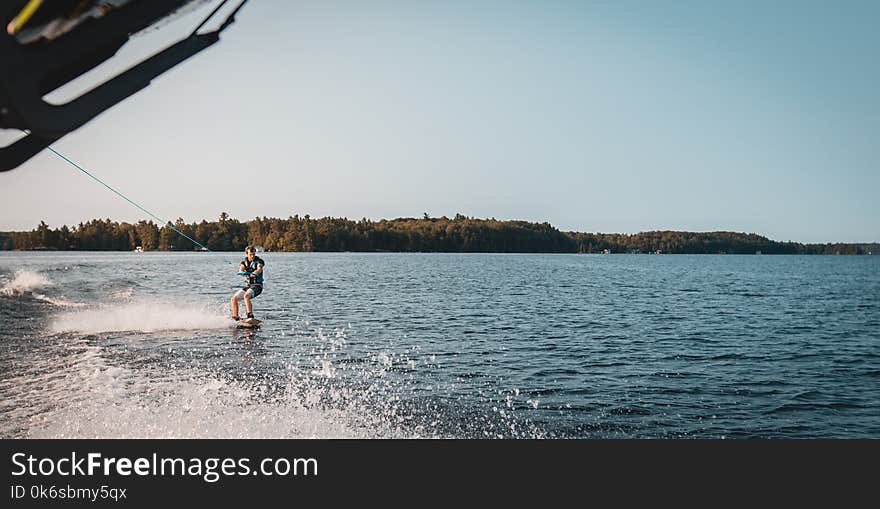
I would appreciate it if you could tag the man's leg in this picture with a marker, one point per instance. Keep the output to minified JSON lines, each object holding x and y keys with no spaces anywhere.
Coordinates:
{"x":234,"y":305}
{"x":247,"y":304}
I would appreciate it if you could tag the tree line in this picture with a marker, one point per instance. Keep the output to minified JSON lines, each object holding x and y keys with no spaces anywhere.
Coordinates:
{"x":426,"y":234}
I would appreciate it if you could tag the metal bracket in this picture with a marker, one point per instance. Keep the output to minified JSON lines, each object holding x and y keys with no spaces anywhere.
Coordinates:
{"x":29,"y":73}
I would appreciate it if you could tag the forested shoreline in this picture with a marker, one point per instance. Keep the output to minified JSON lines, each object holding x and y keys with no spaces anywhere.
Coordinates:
{"x":460,"y":234}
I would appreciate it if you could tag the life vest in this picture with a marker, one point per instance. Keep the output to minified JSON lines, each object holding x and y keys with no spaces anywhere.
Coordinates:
{"x":250,"y":266}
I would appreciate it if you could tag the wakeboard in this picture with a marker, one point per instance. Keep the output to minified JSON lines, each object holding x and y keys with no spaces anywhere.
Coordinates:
{"x":248,"y":323}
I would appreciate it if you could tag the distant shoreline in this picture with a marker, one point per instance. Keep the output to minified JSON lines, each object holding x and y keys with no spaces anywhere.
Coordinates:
{"x":194,"y":252}
{"x":460,"y":234}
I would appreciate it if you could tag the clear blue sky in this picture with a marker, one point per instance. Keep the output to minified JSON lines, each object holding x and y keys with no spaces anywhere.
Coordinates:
{"x":612,"y":116}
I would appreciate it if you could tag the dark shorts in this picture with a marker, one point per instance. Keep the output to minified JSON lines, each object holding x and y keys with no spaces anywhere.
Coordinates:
{"x":254,"y":290}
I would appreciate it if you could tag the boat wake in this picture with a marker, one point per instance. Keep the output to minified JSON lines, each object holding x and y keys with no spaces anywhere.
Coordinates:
{"x":75,"y":391}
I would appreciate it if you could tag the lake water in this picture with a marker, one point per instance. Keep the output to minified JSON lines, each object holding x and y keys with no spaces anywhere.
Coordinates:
{"x":441,"y":345}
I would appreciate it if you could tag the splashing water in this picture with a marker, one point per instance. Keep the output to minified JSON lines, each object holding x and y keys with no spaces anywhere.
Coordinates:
{"x":58,"y":301}
{"x":24,"y":281}
{"x":105,"y":400}
{"x":145,"y":316}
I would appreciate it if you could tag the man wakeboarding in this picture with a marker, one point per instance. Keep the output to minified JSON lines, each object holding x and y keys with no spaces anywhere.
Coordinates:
{"x":252,"y":267}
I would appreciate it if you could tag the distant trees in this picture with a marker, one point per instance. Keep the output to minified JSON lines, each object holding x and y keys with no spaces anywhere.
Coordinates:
{"x":424,"y":234}
{"x":684,"y":242}
{"x":148,"y":235}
